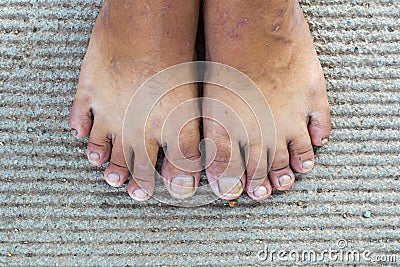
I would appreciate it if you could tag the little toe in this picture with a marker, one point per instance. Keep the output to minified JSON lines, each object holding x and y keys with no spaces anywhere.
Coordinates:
{"x":281,"y":174}
{"x":80,"y":119}
{"x":319,"y":126}
{"x":301,"y":153}
{"x":99,"y":145}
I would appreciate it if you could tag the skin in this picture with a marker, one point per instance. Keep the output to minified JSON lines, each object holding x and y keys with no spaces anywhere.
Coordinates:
{"x":271,"y":43}
{"x":131,"y":41}
{"x":267,"y":40}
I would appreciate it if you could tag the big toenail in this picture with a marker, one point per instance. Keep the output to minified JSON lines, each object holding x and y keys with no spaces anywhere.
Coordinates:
{"x":182,"y":185}
{"x":140,"y":194}
{"x":94,"y":156}
{"x":260,"y":191}
{"x":285,"y":180}
{"x":230,"y":186}
{"x":74,"y":132}
{"x":113,"y":177}
{"x":308,"y":165}
{"x":325,"y":141}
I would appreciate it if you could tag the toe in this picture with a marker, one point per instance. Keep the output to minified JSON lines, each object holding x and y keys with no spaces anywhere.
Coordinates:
{"x":99,"y":144}
{"x":230,"y":187}
{"x":116,"y":175}
{"x":258,"y":186}
{"x":141,"y":186}
{"x":180,"y":183}
{"x":117,"y":172}
{"x":319,"y":126}
{"x":262,"y":191}
{"x":137,"y":192}
{"x":225,"y":182}
{"x":181,"y":168}
{"x":225,"y":172}
{"x":80,"y":118}
{"x":280,"y":174}
{"x":301,"y":152}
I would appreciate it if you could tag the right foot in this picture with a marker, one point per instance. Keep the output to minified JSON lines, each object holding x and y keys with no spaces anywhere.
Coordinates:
{"x":131,"y":41}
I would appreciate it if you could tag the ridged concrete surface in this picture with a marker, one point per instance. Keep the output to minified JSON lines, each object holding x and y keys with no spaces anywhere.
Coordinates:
{"x":56,"y":210}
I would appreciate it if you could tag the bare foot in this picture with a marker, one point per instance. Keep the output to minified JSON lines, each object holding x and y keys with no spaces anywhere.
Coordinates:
{"x":131,"y":41}
{"x":270,"y":42}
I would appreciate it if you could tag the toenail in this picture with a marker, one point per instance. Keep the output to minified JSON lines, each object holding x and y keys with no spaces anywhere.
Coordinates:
{"x":308,"y":165}
{"x":113,"y":177}
{"x":140,"y":194}
{"x":285,"y":180}
{"x":230,"y":186}
{"x":260,"y":191}
{"x":182,"y":185}
{"x":94,"y":156}
{"x":325,"y":141}
{"x":74,"y":132}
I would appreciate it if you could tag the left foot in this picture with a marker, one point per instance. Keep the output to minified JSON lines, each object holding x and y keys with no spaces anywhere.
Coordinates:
{"x":271,"y":43}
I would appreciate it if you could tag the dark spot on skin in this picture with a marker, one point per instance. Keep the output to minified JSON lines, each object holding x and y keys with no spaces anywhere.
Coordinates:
{"x":280,"y":17}
{"x":243,"y":22}
{"x":232,"y":33}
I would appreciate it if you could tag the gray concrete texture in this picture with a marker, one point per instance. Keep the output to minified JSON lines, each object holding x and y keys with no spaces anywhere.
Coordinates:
{"x":55,"y":209}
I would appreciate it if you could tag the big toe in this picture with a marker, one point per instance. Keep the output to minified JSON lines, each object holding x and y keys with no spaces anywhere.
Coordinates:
{"x":181,"y":167}
{"x":229,"y":187}
{"x":180,"y":183}
{"x":225,"y":172}
{"x":183,"y":186}
{"x":225,"y":168}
